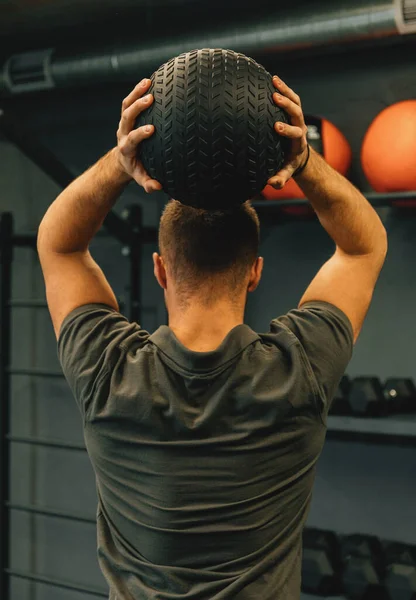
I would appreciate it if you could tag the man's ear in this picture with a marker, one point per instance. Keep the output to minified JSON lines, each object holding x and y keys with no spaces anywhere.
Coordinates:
{"x":255,"y":274}
{"x":160,"y":271}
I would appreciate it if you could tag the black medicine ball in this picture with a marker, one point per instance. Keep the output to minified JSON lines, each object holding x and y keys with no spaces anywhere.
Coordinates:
{"x":214,"y":144}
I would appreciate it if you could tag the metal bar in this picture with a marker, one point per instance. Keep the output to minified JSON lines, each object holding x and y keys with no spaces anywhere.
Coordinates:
{"x":6,"y":259}
{"x":387,"y":199}
{"x":28,"y":304}
{"x":371,"y":437}
{"x":135,"y":220}
{"x":149,"y":235}
{"x":377,"y":200}
{"x":49,"y":512}
{"x":18,"y":134}
{"x":43,"y":304}
{"x":45,"y":443}
{"x":29,"y":239}
{"x":66,"y":585}
{"x":36,"y":373}
{"x":117,"y":227}
{"x":25,"y":240}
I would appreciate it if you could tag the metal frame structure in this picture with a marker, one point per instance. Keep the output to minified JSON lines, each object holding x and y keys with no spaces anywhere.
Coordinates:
{"x":132,"y":235}
{"x":273,"y":210}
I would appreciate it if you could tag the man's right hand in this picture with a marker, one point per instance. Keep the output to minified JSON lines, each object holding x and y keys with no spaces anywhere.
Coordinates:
{"x":289,"y":101}
{"x":130,"y":138}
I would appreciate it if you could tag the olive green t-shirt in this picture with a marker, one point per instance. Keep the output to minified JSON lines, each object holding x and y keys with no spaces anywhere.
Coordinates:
{"x":204,"y":462}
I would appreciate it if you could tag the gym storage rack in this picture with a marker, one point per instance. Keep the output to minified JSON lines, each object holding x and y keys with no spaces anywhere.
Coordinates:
{"x":132,"y":235}
{"x":272,"y":209}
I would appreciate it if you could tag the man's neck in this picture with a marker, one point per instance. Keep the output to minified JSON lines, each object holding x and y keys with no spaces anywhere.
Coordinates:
{"x":202,"y":329}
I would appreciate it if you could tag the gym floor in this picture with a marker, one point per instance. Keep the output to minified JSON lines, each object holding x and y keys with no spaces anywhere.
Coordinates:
{"x":366,"y":481}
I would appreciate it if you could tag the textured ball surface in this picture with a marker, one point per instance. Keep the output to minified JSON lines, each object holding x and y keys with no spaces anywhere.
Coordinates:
{"x":214,"y":144}
{"x":388,"y":153}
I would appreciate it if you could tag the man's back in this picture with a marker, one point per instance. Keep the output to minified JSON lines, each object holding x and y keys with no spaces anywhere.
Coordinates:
{"x":205,"y":462}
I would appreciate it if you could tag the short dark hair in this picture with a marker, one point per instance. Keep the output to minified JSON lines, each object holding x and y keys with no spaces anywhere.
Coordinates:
{"x":202,"y":247}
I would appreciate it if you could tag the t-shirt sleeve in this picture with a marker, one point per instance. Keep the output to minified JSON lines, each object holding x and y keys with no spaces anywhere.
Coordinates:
{"x":326,"y":336}
{"x":90,"y":343}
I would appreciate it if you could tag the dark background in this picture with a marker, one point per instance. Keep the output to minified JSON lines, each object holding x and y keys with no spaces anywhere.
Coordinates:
{"x":361,"y":486}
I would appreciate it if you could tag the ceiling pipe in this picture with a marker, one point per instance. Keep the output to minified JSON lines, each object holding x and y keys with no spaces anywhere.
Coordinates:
{"x":319,"y":25}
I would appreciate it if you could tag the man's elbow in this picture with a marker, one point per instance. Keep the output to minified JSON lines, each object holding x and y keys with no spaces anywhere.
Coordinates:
{"x":382,"y":246}
{"x":377,"y":246}
{"x":45,"y":243}
{"x":41,"y":240}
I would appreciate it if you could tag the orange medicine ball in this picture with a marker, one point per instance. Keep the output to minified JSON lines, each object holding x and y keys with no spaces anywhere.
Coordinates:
{"x":388,"y":153}
{"x":329,"y":141}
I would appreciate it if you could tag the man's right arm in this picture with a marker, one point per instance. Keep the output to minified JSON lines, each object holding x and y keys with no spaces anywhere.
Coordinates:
{"x":348,"y":279}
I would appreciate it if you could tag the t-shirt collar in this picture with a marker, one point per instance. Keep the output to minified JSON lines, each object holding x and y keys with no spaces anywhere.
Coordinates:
{"x":236,"y":341}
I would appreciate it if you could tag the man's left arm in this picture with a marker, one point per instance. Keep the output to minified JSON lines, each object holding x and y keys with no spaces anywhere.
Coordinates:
{"x":72,"y":277}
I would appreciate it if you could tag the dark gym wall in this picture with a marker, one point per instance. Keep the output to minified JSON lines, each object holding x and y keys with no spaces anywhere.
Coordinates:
{"x":359,"y":487}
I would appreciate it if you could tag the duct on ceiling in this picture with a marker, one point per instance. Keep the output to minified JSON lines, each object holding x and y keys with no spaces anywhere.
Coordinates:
{"x":23,"y":17}
{"x":315,"y":25}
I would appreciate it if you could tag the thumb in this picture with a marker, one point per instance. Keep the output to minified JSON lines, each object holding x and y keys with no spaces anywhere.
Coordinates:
{"x":151,"y":185}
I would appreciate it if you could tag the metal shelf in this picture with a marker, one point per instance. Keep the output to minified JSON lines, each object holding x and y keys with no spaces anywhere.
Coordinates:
{"x":45,"y":443}
{"x":45,"y":373}
{"x":272,"y":208}
{"x":398,"y":430}
{"x":28,"y":303}
{"x":310,"y":597}
{"x":58,"y":583}
{"x":49,"y":512}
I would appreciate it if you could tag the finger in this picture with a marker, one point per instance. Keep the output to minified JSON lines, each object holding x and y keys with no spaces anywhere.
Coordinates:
{"x":129,"y":144}
{"x":152,"y":186}
{"x":281,"y":178}
{"x":276,"y":182}
{"x":143,"y":178}
{"x":129,"y":116}
{"x":138,"y":92}
{"x":286,"y":90}
{"x":289,"y":131}
{"x":292,"y":109}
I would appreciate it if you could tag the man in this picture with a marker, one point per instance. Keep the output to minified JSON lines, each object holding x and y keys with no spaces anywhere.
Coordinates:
{"x":205,"y":435}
